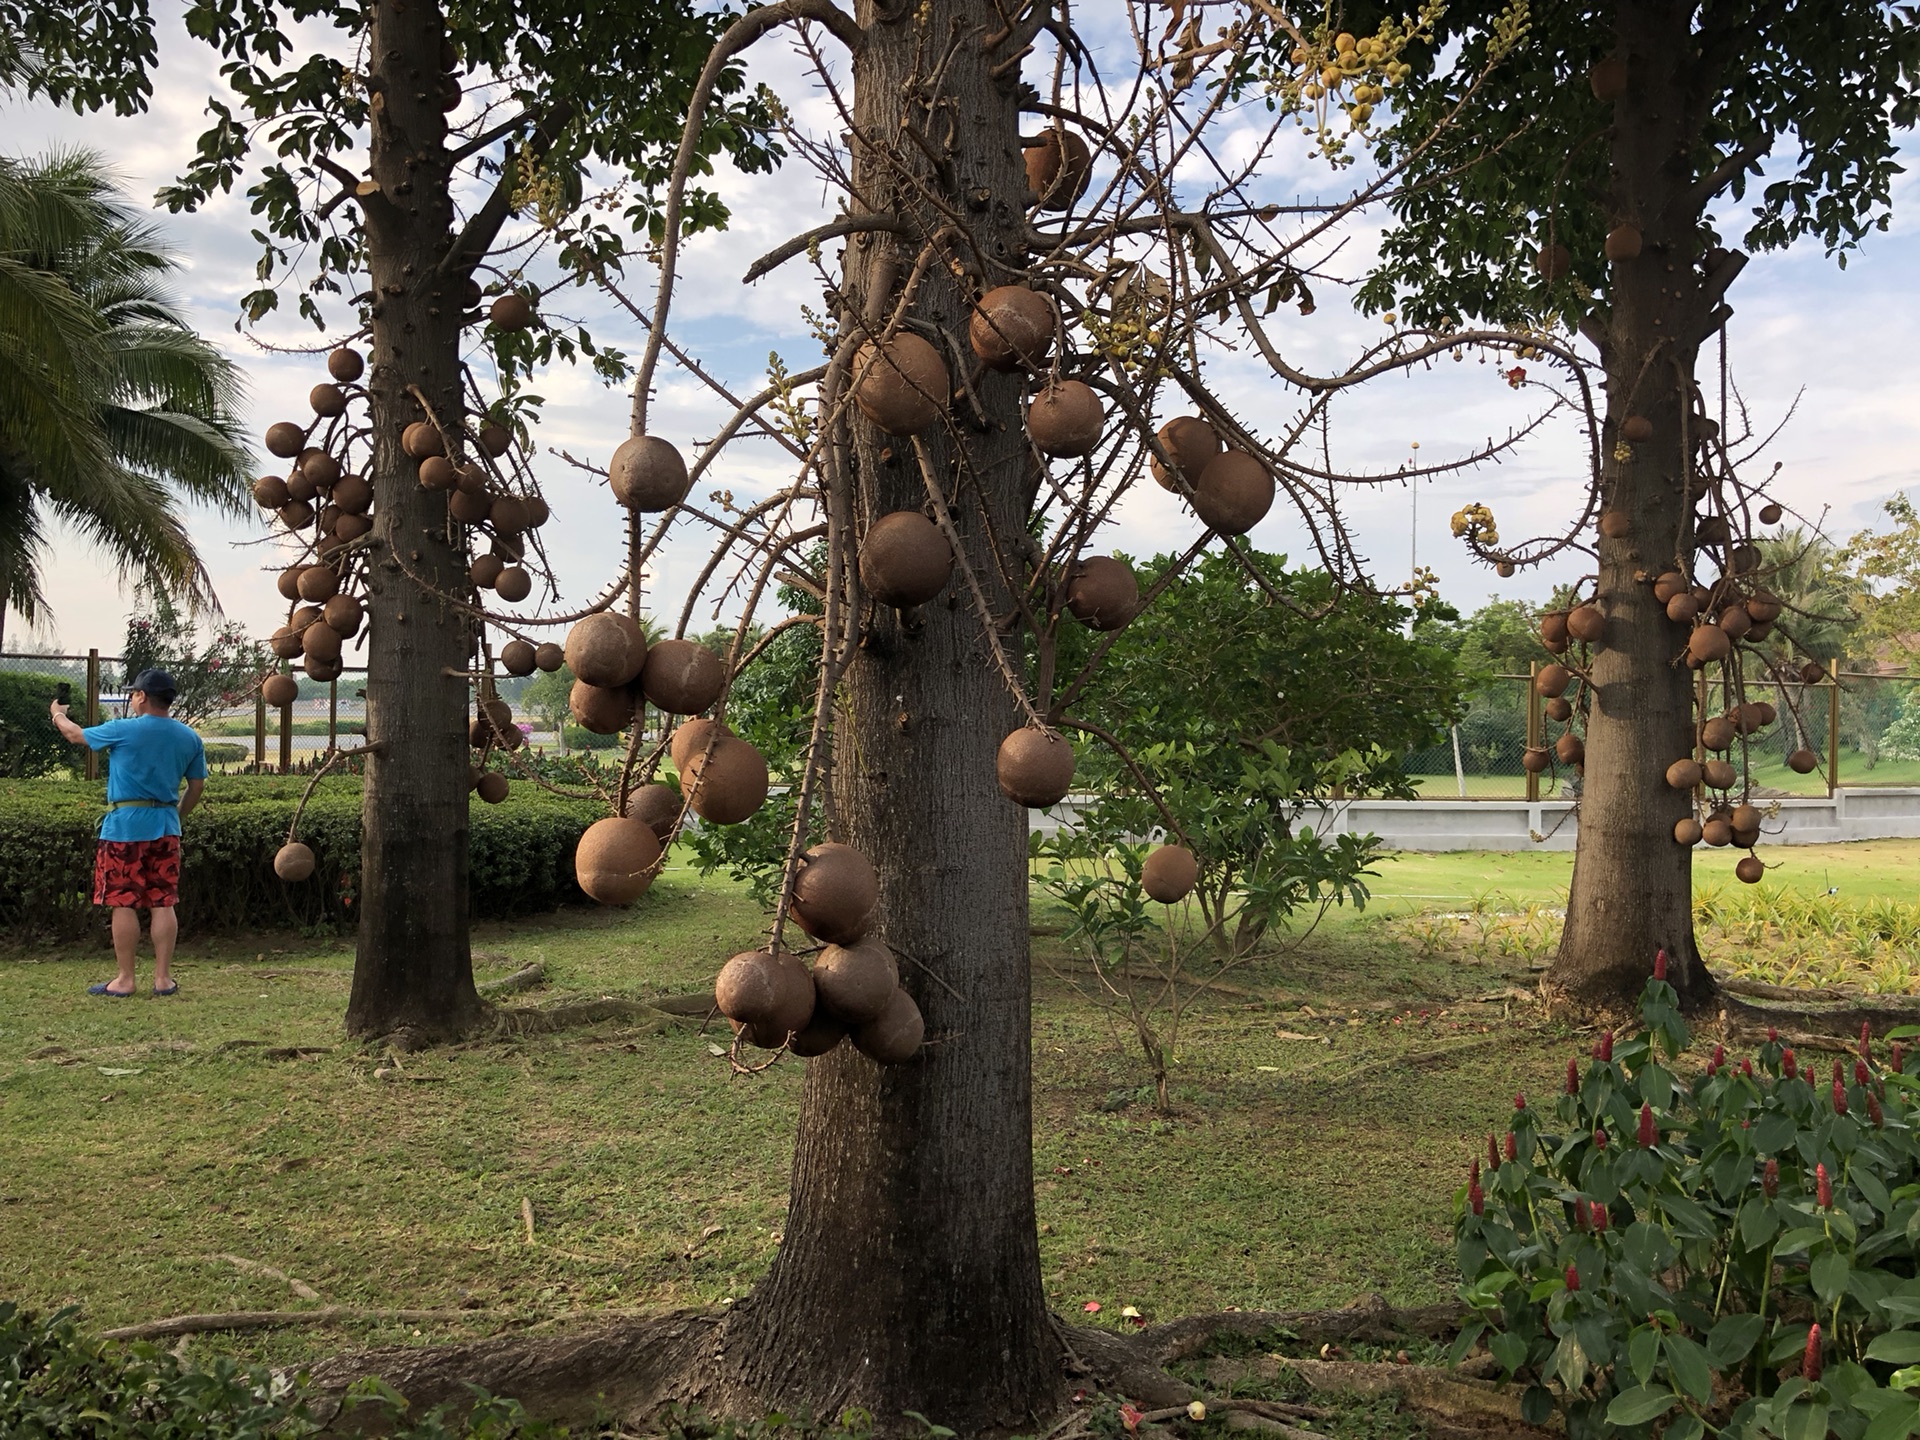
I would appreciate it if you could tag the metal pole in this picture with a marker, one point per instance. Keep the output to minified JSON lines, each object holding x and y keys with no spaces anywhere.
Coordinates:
{"x":1459,"y":770}
{"x":93,"y":710}
{"x":1535,"y":723}
{"x":333,"y":713}
{"x":259,"y":732}
{"x":1833,"y":728}
{"x":286,"y":737}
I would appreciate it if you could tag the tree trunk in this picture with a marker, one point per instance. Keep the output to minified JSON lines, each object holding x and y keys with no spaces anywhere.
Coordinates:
{"x":413,"y":972}
{"x":1632,"y":891}
{"x":909,"y":1276}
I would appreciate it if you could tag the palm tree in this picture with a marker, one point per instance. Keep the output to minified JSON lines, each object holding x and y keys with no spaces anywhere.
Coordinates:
{"x":111,"y":408}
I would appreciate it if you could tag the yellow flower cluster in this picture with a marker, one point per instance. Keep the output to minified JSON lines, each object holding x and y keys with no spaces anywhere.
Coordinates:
{"x":1475,"y":525}
{"x":1336,"y":70}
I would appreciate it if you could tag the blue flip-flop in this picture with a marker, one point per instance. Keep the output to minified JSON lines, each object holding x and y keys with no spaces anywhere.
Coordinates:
{"x":173,"y":988}
{"x":101,"y":989}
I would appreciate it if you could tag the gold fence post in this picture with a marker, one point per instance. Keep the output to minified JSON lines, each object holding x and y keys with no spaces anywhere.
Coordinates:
{"x":1833,"y":728}
{"x":259,"y":731}
{"x":93,"y":710}
{"x":333,"y":713}
{"x":1534,"y":726}
{"x":286,"y":737}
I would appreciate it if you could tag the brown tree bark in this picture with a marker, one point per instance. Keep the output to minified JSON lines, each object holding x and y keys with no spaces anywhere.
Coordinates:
{"x":1632,"y":890}
{"x":909,"y":1275}
{"x":413,"y":972}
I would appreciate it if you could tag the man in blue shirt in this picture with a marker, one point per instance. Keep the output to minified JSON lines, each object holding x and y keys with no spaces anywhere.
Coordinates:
{"x":137,"y":865}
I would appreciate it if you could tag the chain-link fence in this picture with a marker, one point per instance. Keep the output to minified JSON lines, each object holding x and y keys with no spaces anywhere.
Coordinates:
{"x":1875,"y":729}
{"x":1480,"y":757}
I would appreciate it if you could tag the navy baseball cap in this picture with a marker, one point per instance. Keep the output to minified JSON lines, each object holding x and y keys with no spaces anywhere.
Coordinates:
{"x":156,"y":683}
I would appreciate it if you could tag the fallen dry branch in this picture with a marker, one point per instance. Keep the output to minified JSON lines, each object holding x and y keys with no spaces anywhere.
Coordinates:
{"x":254,"y":1267}
{"x":234,"y":1320}
{"x":1477,"y":1405}
{"x":1759,"y":990}
{"x":1370,"y":1320}
{"x":525,"y":978}
{"x":1815,"y":1025}
{"x":577,"y":1013}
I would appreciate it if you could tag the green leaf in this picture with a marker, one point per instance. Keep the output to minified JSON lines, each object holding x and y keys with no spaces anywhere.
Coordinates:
{"x":1536,"y":1405}
{"x":1643,"y":1352}
{"x":1732,"y":1339}
{"x":1465,"y":1341}
{"x":1509,"y":1349}
{"x":1687,"y":1427}
{"x":1799,"y":1238}
{"x":1641,"y":1404}
{"x":1896,"y":1347}
{"x":1870,"y":1185}
{"x":1907,"y":1379}
{"x":1804,"y":1420}
{"x":1773,"y":1134}
{"x":1757,"y":1225}
{"x":1688,"y":1365}
{"x":1895,"y":1422}
{"x":1829,"y":1275}
{"x":1568,"y":1362}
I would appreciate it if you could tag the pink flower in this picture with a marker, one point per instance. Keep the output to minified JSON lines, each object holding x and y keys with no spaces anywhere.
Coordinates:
{"x":1719,"y":1059}
{"x":1824,"y":1185}
{"x":1789,"y":1066}
{"x":1810,"y":1362}
{"x":1513,"y":1147}
{"x":1600,"y":1139}
{"x":1839,"y":1098}
{"x":1131,"y":1417}
{"x":1092,"y":1307}
{"x":1746,"y":1068}
{"x":1874,"y":1112}
{"x":1599,"y":1218}
{"x":1520,"y":1100}
{"x":1606,"y":1047}
{"x":1770,"y":1179}
{"x":1648,"y":1134}
{"x":1573,"y":1277}
{"x":1660,"y":964}
{"x":1861,"y":1077}
{"x":1493,"y":1154}
{"x":1476,"y":1197}
{"x":1573,"y":1077}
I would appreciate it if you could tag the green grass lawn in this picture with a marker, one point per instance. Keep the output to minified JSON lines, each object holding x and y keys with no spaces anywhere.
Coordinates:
{"x":146,"y":1141}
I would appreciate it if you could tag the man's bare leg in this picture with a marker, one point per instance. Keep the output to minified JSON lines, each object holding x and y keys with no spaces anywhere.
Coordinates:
{"x":126,"y":945}
{"x":166,"y":928}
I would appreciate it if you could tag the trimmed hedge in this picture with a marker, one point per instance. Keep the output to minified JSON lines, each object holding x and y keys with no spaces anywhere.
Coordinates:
{"x":520,"y":855}
{"x":29,"y":745}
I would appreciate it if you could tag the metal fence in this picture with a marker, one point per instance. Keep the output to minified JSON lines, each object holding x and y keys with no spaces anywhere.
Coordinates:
{"x":1863,"y":727}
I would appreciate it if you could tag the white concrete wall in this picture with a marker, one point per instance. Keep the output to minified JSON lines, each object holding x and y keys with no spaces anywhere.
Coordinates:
{"x":1552,"y":824}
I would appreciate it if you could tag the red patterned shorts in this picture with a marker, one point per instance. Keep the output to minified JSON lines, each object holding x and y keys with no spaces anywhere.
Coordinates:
{"x":144,"y":874}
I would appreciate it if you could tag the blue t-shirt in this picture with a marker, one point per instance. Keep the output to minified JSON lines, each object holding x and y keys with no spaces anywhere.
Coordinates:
{"x":150,"y":756}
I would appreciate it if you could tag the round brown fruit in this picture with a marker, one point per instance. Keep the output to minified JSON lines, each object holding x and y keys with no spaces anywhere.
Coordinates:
{"x":1745,"y":558}
{"x":1559,"y":710}
{"x":821,"y":1035}
{"x":905,"y":559}
{"x":285,"y":439}
{"x":343,"y":614}
{"x":727,"y":783}
{"x":1717,"y":832}
{"x":318,"y":584}
{"x":1812,"y":673}
{"x":1684,"y":774}
{"x":327,"y":400}
{"x":296,"y":514}
{"x":352,"y":494}
{"x":346,"y":365}
{"x":1103,"y":594}
{"x":902,"y":387}
{"x":855,"y":983}
{"x":1586,"y":622}
{"x":1687,"y":831}
{"x":1803,"y":761}
{"x":492,"y":787}
{"x":1616,"y":524}
{"x":1035,"y":768}
{"x":1718,"y":733}
{"x":1771,"y":514}
{"x":1234,"y":494}
{"x":485,"y":569}
{"x":1623,"y":242}
{"x":1536,"y":759}
{"x":270,"y":492}
{"x":1711,"y":530}
{"x":771,"y":990}
{"x":1718,"y":775}
{"x":1192,"y":443}
{"x":600,"y":651}
{"x":1745,"y":817}
{"x":656,"y":806}
{"x":1636,"y":429}
{"x":1555,"y":262}
{"x":279,"y":690}
{"x":516,"y":657}
{"x":293,"y":862}
{"x":1669,"y":584}
{"x":468,"y":507}
{"x":549,"y":657}
{"x":1011,"y":326}
{"x":320,"y":468}
{"x":285,"y":643}
{"x":1746,"y":839}
{"x":894,"y":1036}
{"x":538,"y":512}
{"x":421,"y":439}
{"x":1570,"y":749}
{"x":509,"y":514}
{"x":691,"y":738}
{"x":513,"y":585}
{"x":512,"y":311}
{"x":1608,"y":78}
{"x":834,"y":893}
{"x":1552,"y":681}
{"x":616,"y":860}
{"x":1058,"y":168}
{"x":1750,"y":869}
{"x":1066,"y":420}
{"x":1505,"y":569}
{"x":289,"y":582}
{"x":648,"y":473}
{"x":1764,"y":607}
{"x":320,"y":641}
{"x":349,"y":528}
{"x":603,"y":710}
{"x":1553,"y":631}
{"x":1169,"y":874}
{"x":496,"y":440}
{"x":438,"y":473}
{"x":1683,"y":609}
{"x":299,"y":487}
{"x":1707,"y":644}
{"x":1736,"y":622}
{"x":1753,"y":715}
{"x":682,"y":677}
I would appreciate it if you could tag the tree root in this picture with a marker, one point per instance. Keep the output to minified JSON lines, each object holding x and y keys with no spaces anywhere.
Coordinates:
{"x":577,"y":1013}
{"x":1370,"y":1320}
{"x":525,"y":978}
{"x":236,"y":1320}
{"x":1818,"y":1025}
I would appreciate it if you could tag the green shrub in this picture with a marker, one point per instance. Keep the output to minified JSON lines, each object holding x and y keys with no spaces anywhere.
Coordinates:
{"x":219,"y":754}
{"x":29,"y":745}
{"x":581,"y":738}
{"x":56,"y":1383}
{"x":520,"y":855}
{"x":1734,"y":1253}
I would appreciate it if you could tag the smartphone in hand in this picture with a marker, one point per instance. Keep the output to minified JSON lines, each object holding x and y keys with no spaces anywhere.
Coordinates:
{"x":63,"y":692}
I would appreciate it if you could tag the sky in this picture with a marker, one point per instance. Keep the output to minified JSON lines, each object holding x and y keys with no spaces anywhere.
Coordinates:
{"x":1826,"y":354}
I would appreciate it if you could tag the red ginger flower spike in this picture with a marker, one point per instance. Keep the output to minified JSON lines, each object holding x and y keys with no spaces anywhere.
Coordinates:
{"x":1836,"y":1069}
{"x":1660,"y":964}
{"x":1513,"y":1147}
{"x":1773,"y":1036}
{"x":1874,"y":1112}
{"x":1824,"y":1183}
{"x":1599,"y":1218}
{"x":1789,"y":1066}
{"x":1810,"y":1363}
{"x":1839,"y":1098}
{"x":1866,"y":1040}
{"x":1573,"y":1277}
{"x":1746,"y":1068}
{"x":1861,"y":1075}
{"x":1600,"y":1139}
{"x":1606,"y":1047}
{"x":1719,"y":1060}
{"x":1519,"y":1099}
{"x":1493,"y":1152}
{"x":1573,"y":1077}
{"x":1770,"y":1179}
{"x":1476,"y":1197}
{"x":1648,"y":1134}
